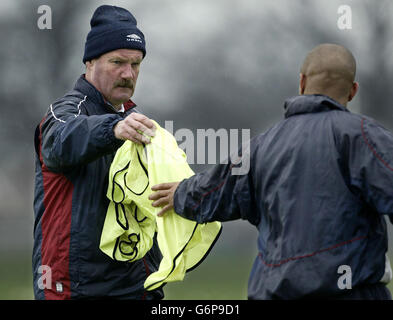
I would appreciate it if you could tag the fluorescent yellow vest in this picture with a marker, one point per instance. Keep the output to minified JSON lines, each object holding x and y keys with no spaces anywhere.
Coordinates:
{"x":131,"y":221}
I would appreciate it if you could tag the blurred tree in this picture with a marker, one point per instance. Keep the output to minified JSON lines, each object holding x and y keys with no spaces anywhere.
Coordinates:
{"x":33,"y":74}
{"x":375,"y":71}
{"x":34,"y":60}
{"x":376,"y":92}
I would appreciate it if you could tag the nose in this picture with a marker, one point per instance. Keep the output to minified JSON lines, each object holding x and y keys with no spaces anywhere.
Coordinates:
{"x":128,"y":72}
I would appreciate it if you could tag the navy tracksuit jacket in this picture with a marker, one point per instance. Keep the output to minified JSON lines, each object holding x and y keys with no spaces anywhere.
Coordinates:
{"x":319,"y":184}
{"x":75,"y":146}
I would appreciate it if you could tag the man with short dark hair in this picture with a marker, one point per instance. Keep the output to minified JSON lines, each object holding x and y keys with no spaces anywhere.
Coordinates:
{"x":75,"y":144}
{"x":319,"y":185}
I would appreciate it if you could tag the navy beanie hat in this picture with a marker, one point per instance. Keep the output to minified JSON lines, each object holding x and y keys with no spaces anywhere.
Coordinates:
{"x":112,"y":28}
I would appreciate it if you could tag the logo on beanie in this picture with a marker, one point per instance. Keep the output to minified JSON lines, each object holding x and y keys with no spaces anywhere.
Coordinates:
{"x":134,"y":37}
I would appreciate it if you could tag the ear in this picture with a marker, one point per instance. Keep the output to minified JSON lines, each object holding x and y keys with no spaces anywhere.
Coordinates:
{"x":89,"y":69}
{"x":354,"y":90}
{"x":302,"y":83}
{"x":89,"y":64}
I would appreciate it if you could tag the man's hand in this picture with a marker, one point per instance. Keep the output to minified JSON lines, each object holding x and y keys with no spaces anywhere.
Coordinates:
{"x":128,"y":128}
{"x":164,"y":196}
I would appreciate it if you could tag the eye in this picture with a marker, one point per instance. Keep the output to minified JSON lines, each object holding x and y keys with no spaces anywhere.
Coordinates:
{"x":135,"y":64}
{"x":116,"y":62}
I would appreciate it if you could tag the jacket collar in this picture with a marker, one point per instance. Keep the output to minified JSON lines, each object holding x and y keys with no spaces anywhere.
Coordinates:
{"x":311,"y":104}
{"x":93,"y":94}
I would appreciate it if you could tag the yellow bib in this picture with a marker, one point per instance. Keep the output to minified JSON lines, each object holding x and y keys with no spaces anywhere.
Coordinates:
{"x":131,"y":221}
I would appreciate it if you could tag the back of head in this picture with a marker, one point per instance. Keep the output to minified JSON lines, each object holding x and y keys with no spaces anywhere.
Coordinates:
{"x":329,"y":69}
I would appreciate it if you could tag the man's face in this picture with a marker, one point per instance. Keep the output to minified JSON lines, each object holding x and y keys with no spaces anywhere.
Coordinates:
{"x":114,"y":74}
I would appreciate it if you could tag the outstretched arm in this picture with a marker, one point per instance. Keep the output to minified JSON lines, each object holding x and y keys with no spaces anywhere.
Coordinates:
{"x":214,"y":195}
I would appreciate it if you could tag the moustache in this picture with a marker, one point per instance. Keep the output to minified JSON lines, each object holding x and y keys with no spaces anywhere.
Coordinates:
{"x":124,"y":84}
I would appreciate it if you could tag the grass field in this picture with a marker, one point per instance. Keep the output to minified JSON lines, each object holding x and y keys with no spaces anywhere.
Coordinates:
{"x":221,"y":277}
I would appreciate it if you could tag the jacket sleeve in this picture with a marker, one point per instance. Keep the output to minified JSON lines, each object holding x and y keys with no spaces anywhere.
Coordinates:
{"x":370,"y":164}
{"x":71,"y":139}
{"x":219,"y":194}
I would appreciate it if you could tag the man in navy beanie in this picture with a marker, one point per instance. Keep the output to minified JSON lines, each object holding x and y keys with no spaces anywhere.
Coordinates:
{"x":75,"y":144}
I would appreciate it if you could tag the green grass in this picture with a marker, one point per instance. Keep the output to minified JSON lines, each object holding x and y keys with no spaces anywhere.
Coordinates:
{"x":218,"y":277}
{"x":221,"y":276}
{"x":16,"y":281}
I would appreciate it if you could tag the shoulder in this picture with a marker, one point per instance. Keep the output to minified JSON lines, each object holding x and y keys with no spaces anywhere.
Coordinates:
{"x":378,"y":140}
{"x":355,"y":124}
{"x":72,"y":98}
{"x":364,"y":135}
{"x":73,"y":102}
